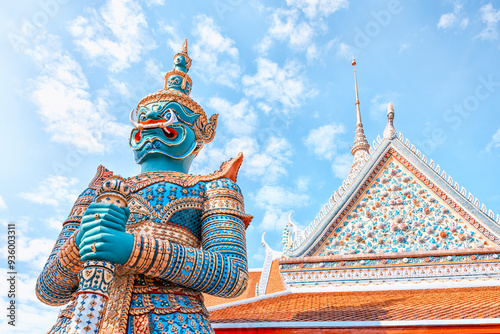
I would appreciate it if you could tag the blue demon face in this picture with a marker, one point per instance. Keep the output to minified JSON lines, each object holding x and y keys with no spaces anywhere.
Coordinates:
{"x":164,"y":130}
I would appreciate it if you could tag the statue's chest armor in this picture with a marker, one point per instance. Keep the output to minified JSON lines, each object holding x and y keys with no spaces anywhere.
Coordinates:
{"x":167,"y":210}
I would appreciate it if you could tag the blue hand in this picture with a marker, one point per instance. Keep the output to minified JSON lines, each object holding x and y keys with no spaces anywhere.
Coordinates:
{"x":109,"y":215}
{"x":107,"y":234}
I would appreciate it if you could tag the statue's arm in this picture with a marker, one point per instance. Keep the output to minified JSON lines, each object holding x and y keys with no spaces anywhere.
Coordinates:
{"x":220,"y":267}
{"x":59,"y":277}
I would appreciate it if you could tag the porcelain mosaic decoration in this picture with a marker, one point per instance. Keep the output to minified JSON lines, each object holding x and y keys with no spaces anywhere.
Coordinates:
{"x":397,"y":213}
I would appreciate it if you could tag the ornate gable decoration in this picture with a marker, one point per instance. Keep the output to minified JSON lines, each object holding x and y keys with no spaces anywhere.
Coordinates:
{"x":413,"y":199}
{"x":398,"y":212}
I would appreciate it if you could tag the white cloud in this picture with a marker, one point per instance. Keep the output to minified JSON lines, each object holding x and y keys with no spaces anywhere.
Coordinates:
{"x":303,"y":183}
{"x":490,"y":16}
{"x":495,"y":141}
{"x":345,"y":51}
{"x":54,"y":223}
{"x":3,"y":206}
{"x":264,"y":45}
{"x":153,"y":67}
{"x":464,"y":23}
{"x":121,"y":87}
{"x":175,"y":40}
{"x":277,"y":201}
{"x":150,"y":3}
{"x":378,"y":104}
{"x":266,"y":108}
{"x":286,"y":26}
{"x":54,"y":190}
{"x":209,"y":159}
{"x":22,"y":225}
{"x":314,"y":8}
{"x":274,"y":84}
{"x":154,"y":74}
{"x":33,"y":251}
{"x":342,"y":165}
{"x":61,"y":93}
{"x":289,"y":26}
{"x":451,"y":19}
{"x":115,"y":34}
{"x":266,"y":164}
{"x":315,"y":52}
{"x":324,"y":141}
{"x":312,"y":53}
{"x":238,"y":119}
{"x":447,"y":20}
{"x":264,"y":161}
{"x":403,"y":46}
{"x":214,"y":56}
{"x":274,"y":219}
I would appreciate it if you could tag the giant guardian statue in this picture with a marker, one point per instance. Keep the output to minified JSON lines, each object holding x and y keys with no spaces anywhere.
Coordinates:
{"x":136,"y":254}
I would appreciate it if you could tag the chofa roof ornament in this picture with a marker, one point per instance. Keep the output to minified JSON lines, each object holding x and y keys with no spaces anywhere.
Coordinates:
{"x":390,"y":132}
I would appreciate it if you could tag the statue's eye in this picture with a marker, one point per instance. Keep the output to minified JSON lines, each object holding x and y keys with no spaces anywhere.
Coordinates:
{"x":142,"y":117}
{"x":170,"y":113}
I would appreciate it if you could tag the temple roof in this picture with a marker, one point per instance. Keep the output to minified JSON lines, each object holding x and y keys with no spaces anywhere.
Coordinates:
{"x":369,"y":306}
{"x":398,"y":201}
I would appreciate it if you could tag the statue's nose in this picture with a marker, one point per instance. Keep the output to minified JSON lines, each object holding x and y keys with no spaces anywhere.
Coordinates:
{"x":151,"y":114}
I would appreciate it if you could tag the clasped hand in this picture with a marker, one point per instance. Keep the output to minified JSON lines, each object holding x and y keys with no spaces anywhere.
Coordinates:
{"x":103,"y":229}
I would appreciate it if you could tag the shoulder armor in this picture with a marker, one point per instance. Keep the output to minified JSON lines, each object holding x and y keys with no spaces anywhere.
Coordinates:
{"x":102,"y":174}
{"x":230,"y":168}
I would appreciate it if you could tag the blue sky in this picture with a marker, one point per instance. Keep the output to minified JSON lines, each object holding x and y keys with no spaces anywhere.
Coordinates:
{"x":279,"y":74}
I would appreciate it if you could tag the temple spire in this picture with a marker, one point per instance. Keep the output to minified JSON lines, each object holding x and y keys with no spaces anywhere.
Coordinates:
{"x":358,"y":112}
{"x":360,"y":147}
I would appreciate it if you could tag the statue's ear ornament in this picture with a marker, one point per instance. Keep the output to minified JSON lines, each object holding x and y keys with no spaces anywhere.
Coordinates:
{"x":204,"y":130}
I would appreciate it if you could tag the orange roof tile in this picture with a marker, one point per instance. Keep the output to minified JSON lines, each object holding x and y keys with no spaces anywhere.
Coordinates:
{"x":253,"y":279}
{"x":396,"y":305}
{"x":274,"y":283}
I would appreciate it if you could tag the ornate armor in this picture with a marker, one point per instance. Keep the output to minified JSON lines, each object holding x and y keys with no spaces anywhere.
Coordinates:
{"x":189,"y":238}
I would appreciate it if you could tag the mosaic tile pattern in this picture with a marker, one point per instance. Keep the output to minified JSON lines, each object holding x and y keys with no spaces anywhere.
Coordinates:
{"x":397,"y":213}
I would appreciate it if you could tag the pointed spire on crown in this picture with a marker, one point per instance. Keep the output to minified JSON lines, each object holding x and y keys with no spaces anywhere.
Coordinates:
{"x":184,"y":49}
{"x":360,"y":147}
{"x":390,"y":132}
{"x":182,"y":63}
{"x":178,"y":79}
